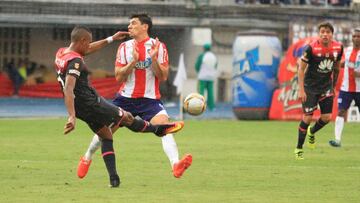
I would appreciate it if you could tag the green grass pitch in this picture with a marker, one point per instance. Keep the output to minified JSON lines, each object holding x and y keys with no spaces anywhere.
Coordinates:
{"x":233,"y":161}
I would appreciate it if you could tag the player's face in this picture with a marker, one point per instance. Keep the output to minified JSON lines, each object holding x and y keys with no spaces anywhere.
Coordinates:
{"x":325,"y":35}
{"x":85,"y":43}
{"x":136,"y":28}
{"x":356,"y":39}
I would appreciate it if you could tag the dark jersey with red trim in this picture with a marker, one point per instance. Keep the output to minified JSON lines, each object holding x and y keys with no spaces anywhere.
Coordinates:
{"x":321,"y":61}
{"x":72,"y":63}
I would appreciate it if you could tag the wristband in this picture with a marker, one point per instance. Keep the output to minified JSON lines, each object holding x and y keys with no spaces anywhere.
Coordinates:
{"x":109,"y":39}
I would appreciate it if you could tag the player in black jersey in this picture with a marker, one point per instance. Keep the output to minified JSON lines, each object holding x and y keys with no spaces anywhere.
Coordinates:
{"x":318,"y":73}
{"x":83,"y":102}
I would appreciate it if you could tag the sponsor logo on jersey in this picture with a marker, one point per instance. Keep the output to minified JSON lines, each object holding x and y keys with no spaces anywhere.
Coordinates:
{"x":335,"y":55}
{"x":325,"y":66}
{"x":143,"y":64}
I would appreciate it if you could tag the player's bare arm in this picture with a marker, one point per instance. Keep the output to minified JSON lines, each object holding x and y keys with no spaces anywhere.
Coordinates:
{"x":94,"y":46}
{"x":160,"y":71}
{"x":69,"y":103}
{"x":122,"y":73}
{"x":301,"y":76}
{"x":337,"y":67}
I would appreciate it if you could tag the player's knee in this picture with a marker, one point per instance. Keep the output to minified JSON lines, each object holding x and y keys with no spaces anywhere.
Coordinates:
{"x":326,"y":118}
{"x":342,"y":113}
{"x":127,"y":120}
{"x":307,"y":118}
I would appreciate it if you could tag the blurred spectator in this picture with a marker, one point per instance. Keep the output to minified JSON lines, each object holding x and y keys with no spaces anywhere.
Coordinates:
{"x":41,"y":75}
{"x":206,"y":65}
{"x":30,"y":69}
{"x":23,"y":66}
{"x":16,"y":75}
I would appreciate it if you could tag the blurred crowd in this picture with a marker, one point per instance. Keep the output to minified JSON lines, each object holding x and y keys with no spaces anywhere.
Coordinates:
{"x":298,"y":2}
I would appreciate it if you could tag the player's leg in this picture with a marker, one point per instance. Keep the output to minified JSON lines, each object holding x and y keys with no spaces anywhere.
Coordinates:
{"x":326,"y":105}
{"x":135,"y":124}
{"x":108,"y":155}
{"x":102,"y":114}
{"x":308,"y":107}
{"x":201,"y":87}
{"x":85,"y":161}
{"x":344,"y":101}
{"x":210,"y":93}
{"x":170,"y":148}
{"x":303,"y":126}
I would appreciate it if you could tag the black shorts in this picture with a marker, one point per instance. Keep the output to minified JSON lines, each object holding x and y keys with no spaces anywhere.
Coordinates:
{"x":99,"y":114}
{"x":324,"y":100}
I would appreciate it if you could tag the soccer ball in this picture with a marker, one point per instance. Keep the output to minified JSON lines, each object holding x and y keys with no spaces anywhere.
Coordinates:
{"x":194,"y":104}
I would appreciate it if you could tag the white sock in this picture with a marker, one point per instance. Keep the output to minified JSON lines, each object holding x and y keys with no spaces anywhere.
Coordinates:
{"x":170,"y":148}
{"x":94,"y":145}
{"x":339,"y":125}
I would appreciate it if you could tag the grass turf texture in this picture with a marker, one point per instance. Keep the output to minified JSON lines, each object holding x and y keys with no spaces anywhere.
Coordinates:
{"x":234,"y":161}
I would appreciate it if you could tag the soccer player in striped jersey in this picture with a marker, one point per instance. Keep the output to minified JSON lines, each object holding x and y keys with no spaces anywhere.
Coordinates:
{"x":141,"y":64}
{"x":350,"y":86}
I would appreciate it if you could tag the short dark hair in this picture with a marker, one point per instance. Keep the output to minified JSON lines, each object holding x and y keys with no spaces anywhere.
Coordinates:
{"x":78,"y":32}
{"x":144,"y":19}
{"x":326,"y":25}
{"x":357,"y":29}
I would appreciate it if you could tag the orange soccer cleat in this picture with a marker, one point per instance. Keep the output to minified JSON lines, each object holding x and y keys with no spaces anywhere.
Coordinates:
{"x":180,"y":167}
{"x":83,"y":167}
{"x":177,"y":126}
{"x":173,"y":127}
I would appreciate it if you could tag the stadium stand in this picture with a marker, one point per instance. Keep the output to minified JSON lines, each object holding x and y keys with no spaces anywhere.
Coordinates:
{"x":27,"y":24}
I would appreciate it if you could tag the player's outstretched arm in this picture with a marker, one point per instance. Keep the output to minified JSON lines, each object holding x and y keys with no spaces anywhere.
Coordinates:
{"x":69,"y":103}
{"x":94,"y":46}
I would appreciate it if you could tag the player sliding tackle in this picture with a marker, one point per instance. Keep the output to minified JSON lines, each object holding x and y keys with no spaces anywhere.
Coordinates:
{"x":83,"y":102}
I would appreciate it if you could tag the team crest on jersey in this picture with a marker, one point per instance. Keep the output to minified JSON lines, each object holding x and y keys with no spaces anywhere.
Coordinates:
{"x":325,"y":66}
{"x":319,"y":54}
{"x":335,"y":55}
{"x":327,"y":55}
{"x":77,"y":65}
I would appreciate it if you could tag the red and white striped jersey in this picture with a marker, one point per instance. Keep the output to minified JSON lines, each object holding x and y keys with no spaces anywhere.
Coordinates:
{"x":350,"y":83}
{"x":142,"y":82}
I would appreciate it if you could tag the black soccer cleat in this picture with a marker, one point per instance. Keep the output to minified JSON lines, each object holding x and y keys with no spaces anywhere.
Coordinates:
{"x":114,"y":181}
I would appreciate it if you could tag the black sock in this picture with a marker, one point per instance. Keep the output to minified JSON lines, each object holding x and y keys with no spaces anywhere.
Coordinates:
{"x":108,"y":155}
{"x":318,"y":125}
{"x":139,"y":125}
{"x":302,"y":134}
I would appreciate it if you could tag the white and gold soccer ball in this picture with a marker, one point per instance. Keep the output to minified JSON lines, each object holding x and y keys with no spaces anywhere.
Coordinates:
{"x":194,"y":104}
